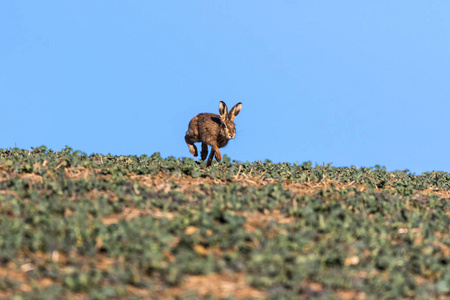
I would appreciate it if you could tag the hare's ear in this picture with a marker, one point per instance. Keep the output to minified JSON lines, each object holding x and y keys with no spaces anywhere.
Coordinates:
{"x":235,"y":111}
{"x":223,"y":111}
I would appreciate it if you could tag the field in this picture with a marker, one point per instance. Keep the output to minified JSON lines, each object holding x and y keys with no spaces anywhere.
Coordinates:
{"x":77,"y":226}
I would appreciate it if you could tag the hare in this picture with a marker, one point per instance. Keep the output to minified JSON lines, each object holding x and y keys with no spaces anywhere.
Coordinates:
{"x":214,"y":130}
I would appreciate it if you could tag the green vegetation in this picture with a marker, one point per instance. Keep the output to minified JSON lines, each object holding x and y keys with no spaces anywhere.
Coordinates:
{"x":98,"y":227}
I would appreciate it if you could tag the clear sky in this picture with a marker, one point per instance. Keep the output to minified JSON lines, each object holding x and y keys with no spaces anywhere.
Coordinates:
{"x":343,"y":82}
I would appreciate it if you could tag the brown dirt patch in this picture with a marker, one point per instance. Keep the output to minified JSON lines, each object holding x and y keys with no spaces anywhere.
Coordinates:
{"x":257,"y":220}
{"x":214,"y":284}
{"x":129,"y":213}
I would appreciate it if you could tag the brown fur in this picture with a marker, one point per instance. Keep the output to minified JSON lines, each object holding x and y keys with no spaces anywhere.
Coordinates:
{"x":214,"y":130}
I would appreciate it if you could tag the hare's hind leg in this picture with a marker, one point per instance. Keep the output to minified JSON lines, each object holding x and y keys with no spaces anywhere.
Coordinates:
{"x":204,"y":151}
{"x":190,"y":142}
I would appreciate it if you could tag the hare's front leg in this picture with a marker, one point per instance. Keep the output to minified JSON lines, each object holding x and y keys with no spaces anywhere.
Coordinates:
{"x":210,"y":158}
{"x":217,"y":152}
{"x":204,"y":151}
{"x":190,"y":142}
{"x":214,"y":150}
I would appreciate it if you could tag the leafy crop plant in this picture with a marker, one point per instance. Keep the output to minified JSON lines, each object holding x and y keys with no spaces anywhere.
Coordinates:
{"x":78,"y":226}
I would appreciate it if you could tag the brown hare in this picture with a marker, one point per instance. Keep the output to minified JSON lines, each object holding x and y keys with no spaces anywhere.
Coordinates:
{"x":214,"y":130}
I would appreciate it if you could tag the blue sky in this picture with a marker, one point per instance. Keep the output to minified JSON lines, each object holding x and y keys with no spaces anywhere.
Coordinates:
{"x":343,"y":82}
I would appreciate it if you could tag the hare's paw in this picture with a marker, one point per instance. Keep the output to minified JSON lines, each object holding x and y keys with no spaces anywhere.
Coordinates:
{"x":193,"y":150}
